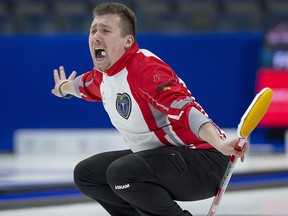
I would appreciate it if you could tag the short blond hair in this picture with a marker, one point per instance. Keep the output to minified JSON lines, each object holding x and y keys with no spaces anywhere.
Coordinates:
{"x":128,"y":18}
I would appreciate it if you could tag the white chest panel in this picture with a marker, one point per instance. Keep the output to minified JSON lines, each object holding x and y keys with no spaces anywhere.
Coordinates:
{"x":125,"y":113}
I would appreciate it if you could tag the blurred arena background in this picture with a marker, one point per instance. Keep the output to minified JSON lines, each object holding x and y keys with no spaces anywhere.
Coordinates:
{"x":54,"y":16}
{"x":224,"y":50}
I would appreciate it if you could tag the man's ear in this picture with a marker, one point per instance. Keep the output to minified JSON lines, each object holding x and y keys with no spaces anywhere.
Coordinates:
{"x":129,"y":41}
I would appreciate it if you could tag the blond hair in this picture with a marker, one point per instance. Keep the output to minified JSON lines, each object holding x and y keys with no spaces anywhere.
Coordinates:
{"x":127,"y":16}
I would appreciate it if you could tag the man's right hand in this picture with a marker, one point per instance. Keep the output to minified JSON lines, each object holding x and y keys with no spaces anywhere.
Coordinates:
{"x":63,"y":86}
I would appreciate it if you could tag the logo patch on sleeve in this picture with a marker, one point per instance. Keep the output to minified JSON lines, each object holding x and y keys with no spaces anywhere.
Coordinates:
{"x":123,"y":105}
{"x":156,"y":78}
{"x":164,"y":87}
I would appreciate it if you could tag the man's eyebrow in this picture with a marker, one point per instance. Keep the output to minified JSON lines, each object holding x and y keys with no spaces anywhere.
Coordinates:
{"x":101,"y":25}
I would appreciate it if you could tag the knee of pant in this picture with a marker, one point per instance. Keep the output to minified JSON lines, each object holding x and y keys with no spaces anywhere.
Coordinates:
{"x":116,"y":172}
{"x":80,"y":172}
{"x":87,"y":174}
{"x":127,"y":169}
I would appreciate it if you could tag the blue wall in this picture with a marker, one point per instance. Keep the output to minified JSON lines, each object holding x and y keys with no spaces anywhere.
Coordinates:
{"x":219,"y":69}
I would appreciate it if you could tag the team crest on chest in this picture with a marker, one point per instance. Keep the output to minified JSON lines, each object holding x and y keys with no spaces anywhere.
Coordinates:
{"x":123,"y":105}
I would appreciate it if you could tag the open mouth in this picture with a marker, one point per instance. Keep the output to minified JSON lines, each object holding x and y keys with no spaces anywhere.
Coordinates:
{"x":100,"y":53}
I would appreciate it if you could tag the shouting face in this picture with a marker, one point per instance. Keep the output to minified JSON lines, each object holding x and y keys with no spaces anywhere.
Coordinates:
{"x":106,"y":41}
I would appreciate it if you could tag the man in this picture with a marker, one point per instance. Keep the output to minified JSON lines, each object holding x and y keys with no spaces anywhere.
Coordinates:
{"x":176,"y":152}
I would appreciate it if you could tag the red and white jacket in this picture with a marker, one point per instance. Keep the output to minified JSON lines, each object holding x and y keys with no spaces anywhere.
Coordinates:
{"x":146,"y":102}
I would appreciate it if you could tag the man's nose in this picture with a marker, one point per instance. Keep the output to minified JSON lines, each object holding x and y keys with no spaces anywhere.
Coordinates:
{"x":97,"y":36}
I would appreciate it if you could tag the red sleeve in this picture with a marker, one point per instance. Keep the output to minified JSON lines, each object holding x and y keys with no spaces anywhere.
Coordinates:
{"x":162,"y":88}
{"x":89,"y":86}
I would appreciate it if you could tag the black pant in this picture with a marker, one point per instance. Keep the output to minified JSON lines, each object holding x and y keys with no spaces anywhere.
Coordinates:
{"x":146,"y":183}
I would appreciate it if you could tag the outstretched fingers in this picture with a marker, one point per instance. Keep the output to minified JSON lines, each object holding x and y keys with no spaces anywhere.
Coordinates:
{"x":59,"y":78}
{"x":62,"y":73}
{"x":59,"y":75}
{"x":72,"y":76}
{"x":56,"y":76}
